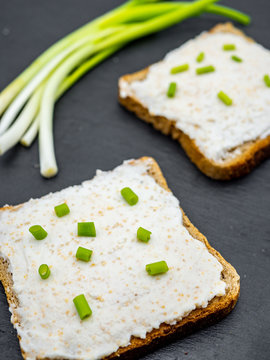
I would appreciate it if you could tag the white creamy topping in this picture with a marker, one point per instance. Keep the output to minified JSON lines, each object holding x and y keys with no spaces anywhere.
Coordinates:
{"x":124,"y":299}
{"x":216,"y":128}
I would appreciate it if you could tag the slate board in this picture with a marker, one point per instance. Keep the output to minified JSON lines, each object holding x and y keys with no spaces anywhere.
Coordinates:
{"x":92,"y":131}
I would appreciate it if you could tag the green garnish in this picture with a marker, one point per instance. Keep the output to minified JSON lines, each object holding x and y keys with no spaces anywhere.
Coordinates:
{"x":61,"y":210}
{"x":229,"y":47}
{"x":266,"y":79}
{"x":225,"y":98}
{"x":200,"y":57}
{"x":28,"y":102}
{"x":143,"y":234}
{"x":157,"y":268}
{"x":86,"y":229}
{"x":44,"y":271}
{"x":82,"y":306}
{"x":236,"y":58}
{"x":205,"y":69}
{"x":171,"y":90}
{"x":130,"y":196}
{"x":38,"y":232}
{"x":180,"y":68}
{"x":83,"y":254}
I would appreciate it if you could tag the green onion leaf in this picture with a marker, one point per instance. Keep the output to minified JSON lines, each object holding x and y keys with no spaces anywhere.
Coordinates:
{"x":205,"y":69}
{"x":236,"y":58}
{"x":61,"y":210}
{"x":233,"y":14}
{"x":44,"y":271}
{"x":266,"y":79}
{"x":225,"y":98}
{"x":229,"y":47}
{"x":180,"y":68}
{"x":82,"y":306}
{"x":86,"y":229}
{"x":38,"y":232}
{"x":130,"y":196}
{"x":143,"y":234}
{"x":200,"y":57}
{"x":83,"y":254}
{"x":171,"y":90}
{"x":157,"y":268}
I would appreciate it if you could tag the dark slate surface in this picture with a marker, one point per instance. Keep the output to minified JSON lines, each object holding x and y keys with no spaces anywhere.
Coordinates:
{"x":93,"y":131}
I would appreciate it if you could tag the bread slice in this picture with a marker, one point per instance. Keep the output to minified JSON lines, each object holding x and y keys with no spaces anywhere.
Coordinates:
{"x":249,"y":153}
{"x":216,"y":309}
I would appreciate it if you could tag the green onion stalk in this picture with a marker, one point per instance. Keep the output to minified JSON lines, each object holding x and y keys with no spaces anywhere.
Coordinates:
{"x":27,"y":103}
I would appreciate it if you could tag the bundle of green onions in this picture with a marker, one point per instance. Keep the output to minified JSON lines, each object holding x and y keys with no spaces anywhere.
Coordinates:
{"x":27,"y":104}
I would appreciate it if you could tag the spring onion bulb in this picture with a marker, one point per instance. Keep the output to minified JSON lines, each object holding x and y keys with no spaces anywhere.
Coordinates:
{"x":32,"y":132}
{"x":14,"y":133}
{"x":27,"y":104}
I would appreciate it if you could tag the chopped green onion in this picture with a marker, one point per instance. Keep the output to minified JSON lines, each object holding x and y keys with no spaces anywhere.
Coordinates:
{"x":61,"y":210}
{"x":83,"y":254}
{"x":38,"y":232}
{"x":225,"y":98}
{"x":236,"y":58}
{"x":200,"y":57}
{"x":229,"y":47}
{"x":86,"y":229}
{"x":143,"y":234}
{"x":44,"y":271}
{"x":82,"y":306}
{"x":171,"y":90}
{"x":266,"y":79}
{"x":130,"y":196}
{"x":180,"y":68}
{"x":157,"y":268}
{"x":205,"y":69}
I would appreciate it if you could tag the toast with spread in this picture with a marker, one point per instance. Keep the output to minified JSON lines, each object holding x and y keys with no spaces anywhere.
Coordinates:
{"x":212,"y":95}
{"x":109,"y":268}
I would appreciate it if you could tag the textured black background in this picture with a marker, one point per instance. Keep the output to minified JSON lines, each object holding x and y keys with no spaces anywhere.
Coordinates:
{"x":93,"y":131}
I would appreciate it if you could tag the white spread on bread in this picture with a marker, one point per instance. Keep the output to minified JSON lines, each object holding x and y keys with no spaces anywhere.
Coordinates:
{"x":124,"y":299}
{"x":218,"y":130}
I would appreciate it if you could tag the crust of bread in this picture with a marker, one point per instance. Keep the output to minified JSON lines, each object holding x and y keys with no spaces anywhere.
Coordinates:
{"x":252,"y":152}
{"x":217,"y":308}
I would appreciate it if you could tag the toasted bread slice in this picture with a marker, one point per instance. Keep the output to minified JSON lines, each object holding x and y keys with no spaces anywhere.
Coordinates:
{"x":216,"y":309}
{"x":247,"y":155}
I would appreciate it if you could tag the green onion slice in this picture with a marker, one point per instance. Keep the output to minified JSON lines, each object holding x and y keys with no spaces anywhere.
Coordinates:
{"x":266,"y":79}
{"x":180,"y":68}
{"x":44,"y":271}
{"x":61,"y":210}
{"x":82,"y":306}
{"x":171,"y":90}
{"x":143,"y":234}
{"x":225,"y":98}
{"x":38,"y":232}
{"x":229,"y":47}
{"x":130,"y":196}
{"x":236,"y":58}
{"x":157,"y":268}
{"x":205,"y":69}
{"x":86,"y":229}
{"x":200,"y":57}
{"x":83,"y":254}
